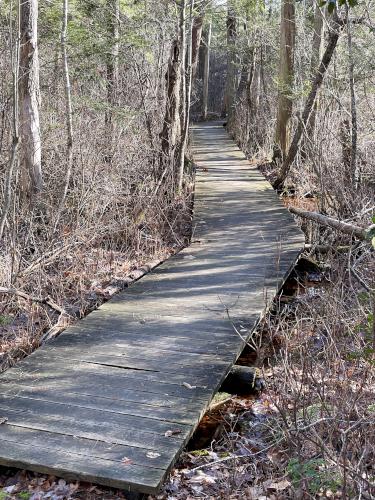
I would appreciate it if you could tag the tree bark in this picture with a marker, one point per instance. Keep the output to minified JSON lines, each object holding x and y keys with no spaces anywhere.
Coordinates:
{"x":188,"y":87}
{"x":206,"y":70}
{"x":182,"y":30}
{"x":354,"y":166}
{"x":171,"y":127}
{"x":29,"y":126}
{"x":316,"y":84}
{"x":316,"y":54}
{"x":324,"y":220}
{"x":196,"y":41}
{"x":113,"y":8}
{"x":15,"y":141}
{"x":68,"y":110}
{"x":286,"y":79}
{"x":230,"y":90}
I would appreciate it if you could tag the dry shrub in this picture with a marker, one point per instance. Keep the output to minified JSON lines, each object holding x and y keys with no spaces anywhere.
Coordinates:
{"x":322,"y":382}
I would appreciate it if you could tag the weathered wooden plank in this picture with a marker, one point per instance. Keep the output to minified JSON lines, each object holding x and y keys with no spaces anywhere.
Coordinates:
{"x":111,"y":396}
{"x":166,"y":359}
{"x":123,"y":342}
{"x":178,"y":410}
{"x":106,"y":382}
{"x":92,"y":424}
{"x":87,"y":448}
{"x":41,"y":367}
{"x":203,"y":375}
{"x":172,"y":363}
{"x":73,"y":466}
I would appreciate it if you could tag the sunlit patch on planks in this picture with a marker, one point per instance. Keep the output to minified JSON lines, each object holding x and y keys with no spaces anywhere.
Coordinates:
{"x":115,"y":398}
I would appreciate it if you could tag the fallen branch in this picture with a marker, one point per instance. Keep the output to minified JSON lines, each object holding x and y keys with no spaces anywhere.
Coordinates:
{"x":56,"y":329}
{"x":46,"y":259}
{"x":324,"y":220}
{"x":39,"y":300}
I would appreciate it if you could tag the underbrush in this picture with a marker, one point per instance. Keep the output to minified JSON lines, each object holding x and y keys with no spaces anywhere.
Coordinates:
{"x":311,"y":434}
{"x":51,"y":280}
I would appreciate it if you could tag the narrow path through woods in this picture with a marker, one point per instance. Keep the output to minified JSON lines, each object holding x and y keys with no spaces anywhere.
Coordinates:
{"x":115,"y":398}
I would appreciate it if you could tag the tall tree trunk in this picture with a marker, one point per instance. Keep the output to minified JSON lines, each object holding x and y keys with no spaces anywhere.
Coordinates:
{"x":113,"y":9}
{"x":171,"y":127}
{"x":354,"y":166}
{"x":316,"y":55}
{"x":230,"y":90}
{"x":206,"y":69}
{"x":334,"y":35}
{"x":15,"y":141}
{"x":196,"y":41}
{"x":182,"y":29}
{"x":189,"y":81}
{"x":29,"y":94}
{"x":286,"y":79}
{"x":68,"y":110}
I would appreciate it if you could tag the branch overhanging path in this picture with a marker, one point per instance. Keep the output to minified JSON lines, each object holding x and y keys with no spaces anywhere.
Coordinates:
{"x":115,"y":398}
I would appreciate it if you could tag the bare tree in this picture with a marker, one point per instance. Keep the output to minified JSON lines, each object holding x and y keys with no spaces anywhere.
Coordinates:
{"x":15,"y":141}
{"x":316,"y":54}
{"x":206,"y":69}
{"x":286,"y":79}
{"x":68,"y":110}
{"x":29,"y":96}
{"x":171,"y":126}
{"x":182,"y":35}
{"x":334,"y":34}
{"x":113,"y":13}
{"x":354,"y":165}
{"x":196,"y":37}
{"x":188,"y":87}
{"x":230,"y":90}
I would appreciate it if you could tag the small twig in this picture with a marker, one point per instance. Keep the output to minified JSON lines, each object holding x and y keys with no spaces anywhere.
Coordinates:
{"x":39,"y":300}
{"x":234,"y":457}
{"x":46,"y":259}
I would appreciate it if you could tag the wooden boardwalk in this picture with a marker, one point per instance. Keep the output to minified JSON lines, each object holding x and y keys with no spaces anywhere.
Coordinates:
{"x":116,"y":397}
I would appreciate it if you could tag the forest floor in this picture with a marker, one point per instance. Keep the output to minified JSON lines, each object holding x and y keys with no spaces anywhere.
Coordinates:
{"x":63,"y":285}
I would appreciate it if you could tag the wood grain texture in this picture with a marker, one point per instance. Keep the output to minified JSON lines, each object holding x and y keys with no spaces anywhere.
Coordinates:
{"x":115,"y":398}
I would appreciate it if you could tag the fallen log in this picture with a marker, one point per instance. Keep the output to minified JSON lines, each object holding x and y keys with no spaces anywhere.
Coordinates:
{"x":242,"y":380}
{"x":324,"y":220}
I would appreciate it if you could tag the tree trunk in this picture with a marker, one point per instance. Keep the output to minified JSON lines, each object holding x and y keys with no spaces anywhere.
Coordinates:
{"x":171,"y":127}
{"x":316,"y":54}
{"x":113,"y":8}
{"x":354,"y":166}
{"x":15,"y":141}
{"x":206,"y":70}
{"x":286,"y":79}
{"x":29,"y":126}
{"x":316,"y":84}
{"x":188,"y":87}
{"x":324,"y":220}
{"x":182,"y":29}
{"x":196,"y":41}
{"x":68,"y":110}
{"x":230,"y":91}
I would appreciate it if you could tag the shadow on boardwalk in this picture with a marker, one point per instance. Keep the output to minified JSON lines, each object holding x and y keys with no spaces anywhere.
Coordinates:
{"x":115,"y":398}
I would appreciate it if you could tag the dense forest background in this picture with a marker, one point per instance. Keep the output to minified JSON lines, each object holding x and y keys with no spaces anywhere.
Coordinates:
{"x":97,"y":182}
